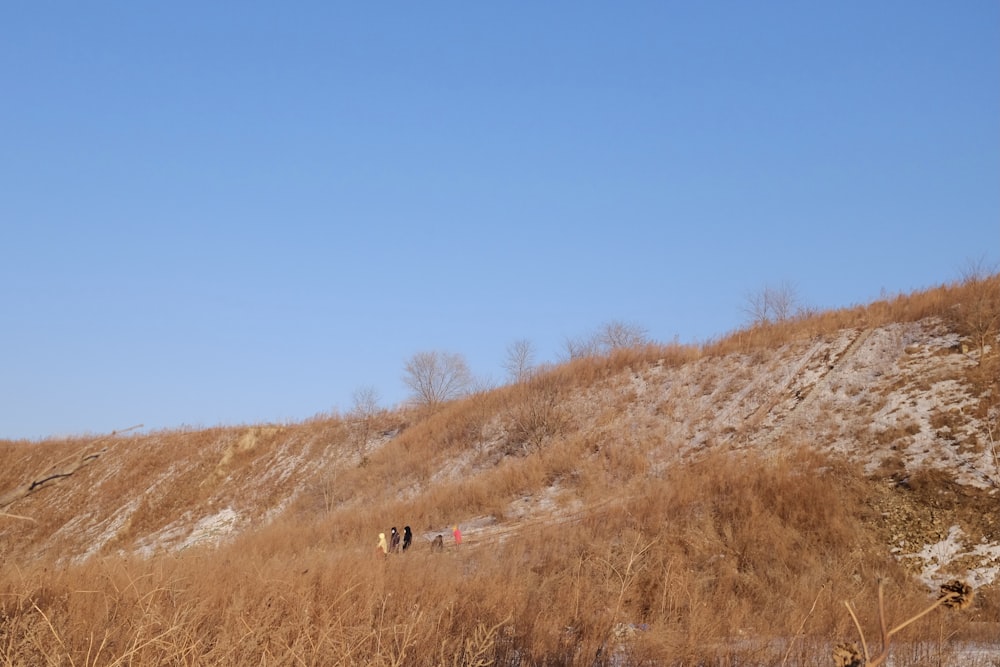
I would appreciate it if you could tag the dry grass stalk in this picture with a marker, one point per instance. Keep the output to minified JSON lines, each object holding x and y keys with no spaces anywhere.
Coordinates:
{"x":473,"y":651}
{"x":802,"y":625}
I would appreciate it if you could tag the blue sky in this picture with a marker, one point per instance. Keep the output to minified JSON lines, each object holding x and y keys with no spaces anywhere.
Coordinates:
{"x":233,"y":213}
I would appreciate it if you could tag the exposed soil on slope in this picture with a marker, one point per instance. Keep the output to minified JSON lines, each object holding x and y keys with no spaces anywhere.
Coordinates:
{"x":927,"y":508}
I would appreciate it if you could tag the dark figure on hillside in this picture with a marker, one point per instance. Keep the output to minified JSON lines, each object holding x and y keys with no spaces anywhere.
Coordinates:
{"x":438,"y":543}
{"x":407,"y":538}
{"x":394,"y":541}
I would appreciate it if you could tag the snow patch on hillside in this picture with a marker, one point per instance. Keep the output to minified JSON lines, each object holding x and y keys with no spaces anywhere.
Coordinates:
{"x":939,"y":560}
{"x":182,"y":535}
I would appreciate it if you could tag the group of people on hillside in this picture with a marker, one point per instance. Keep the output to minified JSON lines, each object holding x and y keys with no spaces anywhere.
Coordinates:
{"x":401,"y":542}
{"x":396,"y":542}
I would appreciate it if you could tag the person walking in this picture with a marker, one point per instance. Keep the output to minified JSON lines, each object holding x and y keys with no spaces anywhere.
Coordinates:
{"x":407,"y":538}
{"x":382,"y":549}
{"x":394,"y":541}
{"x":457,"y":534}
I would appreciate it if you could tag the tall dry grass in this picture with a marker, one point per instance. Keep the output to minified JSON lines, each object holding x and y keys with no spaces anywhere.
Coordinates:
{"x":729,"y":559}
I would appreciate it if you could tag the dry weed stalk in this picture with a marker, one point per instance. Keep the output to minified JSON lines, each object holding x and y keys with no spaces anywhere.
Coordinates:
{"x":474,"y":651}
{"x":626,"y":577}
{"x":57,"y":659}
{"x":954,"y":595}
{"x":798,"y":632}
{"x":993,"y":450}
{"x":402,"y":640}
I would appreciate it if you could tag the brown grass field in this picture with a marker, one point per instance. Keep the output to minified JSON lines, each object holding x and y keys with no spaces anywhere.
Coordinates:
{"x":717,"y":504}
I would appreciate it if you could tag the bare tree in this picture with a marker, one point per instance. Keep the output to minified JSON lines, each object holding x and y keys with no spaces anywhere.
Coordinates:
{"x":784,"y":301}
{"x":481,"y":384}
{"x":615,"y":335}
{"x":520,"y":360}
{"x":756,"y":307}
{"x":979,"y":312}
{"x":362,"y":416}
{"x":577,"y":348}
{"x":772,"y":304}
{"x":535,"y":415}
{"x":435,"y":377}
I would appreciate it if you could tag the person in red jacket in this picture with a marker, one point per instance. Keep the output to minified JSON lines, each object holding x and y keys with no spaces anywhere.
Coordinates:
{"x":457,"y":534}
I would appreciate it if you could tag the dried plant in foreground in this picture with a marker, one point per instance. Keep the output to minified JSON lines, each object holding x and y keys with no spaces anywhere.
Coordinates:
{"x":847,"y":655}
{"x":955,"y":595}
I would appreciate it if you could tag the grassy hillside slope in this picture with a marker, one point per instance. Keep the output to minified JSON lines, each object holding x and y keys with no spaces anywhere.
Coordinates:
{"x":672,"y":504}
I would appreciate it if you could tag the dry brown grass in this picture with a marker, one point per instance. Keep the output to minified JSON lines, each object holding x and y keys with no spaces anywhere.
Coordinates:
{"x":685,"y":569}
{"x":729,"y":558}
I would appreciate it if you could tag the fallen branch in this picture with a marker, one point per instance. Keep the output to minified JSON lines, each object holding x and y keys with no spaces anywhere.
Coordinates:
{"x":61,"y":469}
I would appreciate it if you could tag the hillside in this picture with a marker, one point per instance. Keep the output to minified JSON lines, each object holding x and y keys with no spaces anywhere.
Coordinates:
{"x":891,"y":409}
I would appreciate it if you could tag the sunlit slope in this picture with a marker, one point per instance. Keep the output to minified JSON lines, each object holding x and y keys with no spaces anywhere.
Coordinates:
{"x":900,"y":387}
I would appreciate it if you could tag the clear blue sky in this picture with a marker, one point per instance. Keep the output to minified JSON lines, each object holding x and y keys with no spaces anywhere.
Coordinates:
{"x":243,"y":212}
